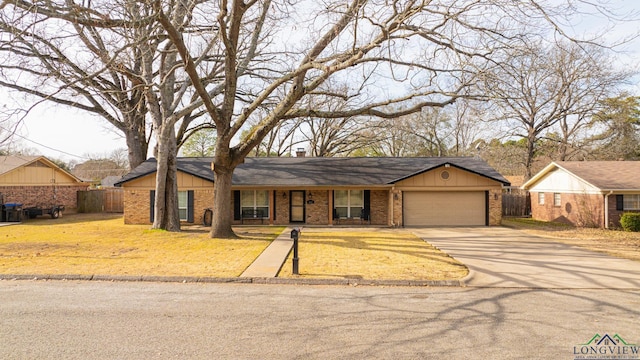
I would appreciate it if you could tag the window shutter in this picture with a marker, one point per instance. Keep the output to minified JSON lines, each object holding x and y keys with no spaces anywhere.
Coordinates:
{"x":190,"y":206}
{"x":275,"y":196}
{"x":367,"y":204}
{"x":152,"y":204}
{"x":619,"y":202}
{"x":333,"y":201}
{"x":236,"y":205}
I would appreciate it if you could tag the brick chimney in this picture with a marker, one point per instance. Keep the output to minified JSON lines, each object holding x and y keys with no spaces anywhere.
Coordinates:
{"x":300,"y":152}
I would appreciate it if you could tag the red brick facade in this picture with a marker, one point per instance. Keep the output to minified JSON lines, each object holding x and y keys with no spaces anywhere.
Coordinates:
{"x":585,"y":210}
{"x":43,"y":195}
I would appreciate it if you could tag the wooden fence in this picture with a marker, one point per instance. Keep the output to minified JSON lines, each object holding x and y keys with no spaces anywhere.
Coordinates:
{"x":105,"y":200}
{"x":516,"y":204}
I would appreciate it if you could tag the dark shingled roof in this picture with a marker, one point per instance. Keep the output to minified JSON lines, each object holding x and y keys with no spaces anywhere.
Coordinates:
{"x":316,"y":171}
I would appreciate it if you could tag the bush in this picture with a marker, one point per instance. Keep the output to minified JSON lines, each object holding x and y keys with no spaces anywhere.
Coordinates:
{"x":630,"y":221}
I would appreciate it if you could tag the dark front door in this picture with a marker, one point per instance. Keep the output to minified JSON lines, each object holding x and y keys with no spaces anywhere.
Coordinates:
{"x":296,"y":210}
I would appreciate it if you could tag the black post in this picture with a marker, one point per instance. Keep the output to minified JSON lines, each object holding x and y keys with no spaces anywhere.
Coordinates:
{"x":294,"y":235}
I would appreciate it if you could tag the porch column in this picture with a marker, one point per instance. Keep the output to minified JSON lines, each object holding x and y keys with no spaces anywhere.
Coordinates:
{"x":330,"y":195}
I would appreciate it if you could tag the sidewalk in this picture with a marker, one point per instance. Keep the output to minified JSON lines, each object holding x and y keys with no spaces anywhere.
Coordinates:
{"x":268,"y":264}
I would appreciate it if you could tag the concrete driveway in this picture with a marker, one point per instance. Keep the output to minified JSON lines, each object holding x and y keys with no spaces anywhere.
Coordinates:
{"x":502,"y":257}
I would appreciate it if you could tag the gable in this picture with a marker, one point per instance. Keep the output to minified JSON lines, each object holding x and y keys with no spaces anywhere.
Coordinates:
{"x":562,"y":181}
{"x":452,"y":177}
{"x":37,"y":173}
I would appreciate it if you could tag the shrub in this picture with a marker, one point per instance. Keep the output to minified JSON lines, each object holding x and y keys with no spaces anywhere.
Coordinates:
{"x":630,"y":221}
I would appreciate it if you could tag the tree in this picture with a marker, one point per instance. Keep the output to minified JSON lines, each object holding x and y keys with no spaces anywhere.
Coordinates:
{"x":425,"y":52}
{"x":76,"y":64}
{"x":200,"y":144}
{"x":395,"y":55}
{"x":542,"y":87}
{"x":619,"y":121}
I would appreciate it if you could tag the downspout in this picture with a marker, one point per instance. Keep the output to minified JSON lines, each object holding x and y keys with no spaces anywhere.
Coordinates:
{"x":606,"y":209}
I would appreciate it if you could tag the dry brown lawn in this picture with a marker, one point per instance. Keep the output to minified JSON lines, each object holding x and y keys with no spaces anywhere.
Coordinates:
{"x":99,"y":244}
{"x":372,"y":254}
{"x":613,"y":242}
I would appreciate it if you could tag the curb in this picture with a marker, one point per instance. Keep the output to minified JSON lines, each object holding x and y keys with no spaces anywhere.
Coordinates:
{"x":238,"y":280}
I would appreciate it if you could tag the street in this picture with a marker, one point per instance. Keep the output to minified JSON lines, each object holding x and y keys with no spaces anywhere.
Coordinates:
{"x":133,"y":320}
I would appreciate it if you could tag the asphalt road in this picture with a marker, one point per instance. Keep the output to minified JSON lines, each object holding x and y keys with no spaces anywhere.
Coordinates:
{"x":120,"y":320}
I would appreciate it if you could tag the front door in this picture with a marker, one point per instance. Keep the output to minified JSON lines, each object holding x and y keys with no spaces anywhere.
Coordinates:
{"x":296,"y":210}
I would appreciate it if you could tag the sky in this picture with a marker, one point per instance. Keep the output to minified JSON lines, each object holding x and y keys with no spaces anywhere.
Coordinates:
{"x":58,"y":132}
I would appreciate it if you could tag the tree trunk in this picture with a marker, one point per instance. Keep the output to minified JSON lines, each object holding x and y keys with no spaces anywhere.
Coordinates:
{"x":166,"y":213}
{"x":222,"y":210}
{"x":137,"y":147}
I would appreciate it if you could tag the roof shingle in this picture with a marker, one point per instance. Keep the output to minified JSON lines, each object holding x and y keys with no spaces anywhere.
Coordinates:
{"x":316,"y":171}
{"x":606,"y":175}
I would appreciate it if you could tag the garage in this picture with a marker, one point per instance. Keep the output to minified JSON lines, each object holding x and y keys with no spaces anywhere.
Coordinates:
{"x":435,"y":208}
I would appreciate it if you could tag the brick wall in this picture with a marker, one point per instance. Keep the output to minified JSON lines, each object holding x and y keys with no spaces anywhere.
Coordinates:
{"x":43,"y":195}
{"x":137,"y":205}
{"x":318,"y":212}
{"x":495,"y":207}
{"x":577,"y":209}
{"x":615,"y":215}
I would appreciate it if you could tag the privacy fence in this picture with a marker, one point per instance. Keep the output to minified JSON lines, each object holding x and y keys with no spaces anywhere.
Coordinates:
{"x":103,"y":200}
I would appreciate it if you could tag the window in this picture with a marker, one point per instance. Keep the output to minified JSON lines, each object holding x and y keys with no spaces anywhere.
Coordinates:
{"x":557,"y":201}
{"x":183,"y":205}
{"x":631,"y":202}
{"x":348,"y":203}
{"x":541,"y":198}
{"x":257,"y":200}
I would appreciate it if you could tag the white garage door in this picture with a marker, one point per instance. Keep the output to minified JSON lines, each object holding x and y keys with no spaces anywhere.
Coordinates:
{"x":444,"y":208}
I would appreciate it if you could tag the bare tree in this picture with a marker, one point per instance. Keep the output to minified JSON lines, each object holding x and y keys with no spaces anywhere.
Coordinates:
{"x":400,"y":55}
{"x":543,"y":87}
{"x":281,"y":140}
{"x":77,"y":65}
{"x":425,"y":51}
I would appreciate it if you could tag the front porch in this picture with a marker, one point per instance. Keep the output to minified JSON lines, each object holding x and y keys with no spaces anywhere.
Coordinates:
{"x":313,"y":207}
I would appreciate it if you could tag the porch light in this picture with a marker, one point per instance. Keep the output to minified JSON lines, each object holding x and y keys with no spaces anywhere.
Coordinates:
{"x":310,"y":195}
{"x":284,"y":194}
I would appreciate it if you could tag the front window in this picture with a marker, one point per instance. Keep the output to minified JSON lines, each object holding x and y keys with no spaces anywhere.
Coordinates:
{"x":348,"y":203}
{"x":541,"y":198}
{"x":556,"y":199}
{"x":183,"y":205}
{"x":256,"y":201}
{"x":631,"y":202}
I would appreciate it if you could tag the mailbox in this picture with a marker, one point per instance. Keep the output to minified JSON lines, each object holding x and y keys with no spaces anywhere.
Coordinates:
{"x":295,"y":233}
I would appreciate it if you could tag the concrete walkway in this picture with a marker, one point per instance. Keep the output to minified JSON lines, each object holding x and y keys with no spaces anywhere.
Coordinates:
{"x":502,"y":257}
{"x":268,"y":264}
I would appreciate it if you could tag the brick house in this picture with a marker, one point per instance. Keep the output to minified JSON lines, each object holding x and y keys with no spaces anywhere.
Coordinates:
{"x":37,"y":181}
{"x":332,"y":191}
{"x":585,"y":193}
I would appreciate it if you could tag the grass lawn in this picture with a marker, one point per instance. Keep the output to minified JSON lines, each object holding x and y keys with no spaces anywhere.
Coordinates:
{"x":373,"y":254}
{"x":618,"y":243}
{"x":100,"y":244}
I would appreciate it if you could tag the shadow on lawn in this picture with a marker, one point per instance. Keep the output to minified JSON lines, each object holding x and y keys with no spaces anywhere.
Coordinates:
{"x":74,"y":218}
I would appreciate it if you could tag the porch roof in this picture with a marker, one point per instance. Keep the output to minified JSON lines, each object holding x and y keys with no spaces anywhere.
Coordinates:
{"x":316,"y":171}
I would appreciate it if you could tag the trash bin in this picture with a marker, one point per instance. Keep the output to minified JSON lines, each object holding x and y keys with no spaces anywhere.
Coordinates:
{"x":13,"y":212}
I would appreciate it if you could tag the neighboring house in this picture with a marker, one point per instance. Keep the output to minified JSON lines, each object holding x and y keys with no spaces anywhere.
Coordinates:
{"x":585,"y":193}
{"x":328,"y":191}
{"x":37,"y":181}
